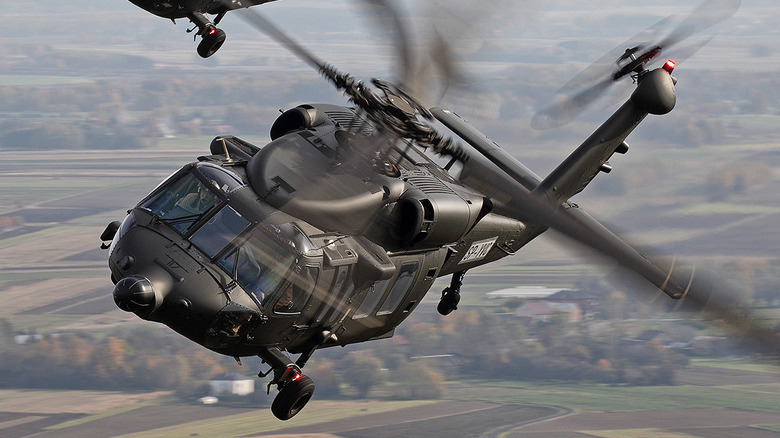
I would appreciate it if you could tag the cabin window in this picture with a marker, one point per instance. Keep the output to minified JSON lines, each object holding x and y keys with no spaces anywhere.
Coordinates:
{"x":336,"y":290}
{"x":400,"y":288}
{"x":345,"y":296}
{"x":371,"y":299}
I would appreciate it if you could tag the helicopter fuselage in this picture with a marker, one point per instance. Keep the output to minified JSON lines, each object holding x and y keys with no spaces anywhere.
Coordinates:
{"x":212,"y":38}
{"x":296,"y":247}
{"x":174,"y":9}
{"x":333,"y":232}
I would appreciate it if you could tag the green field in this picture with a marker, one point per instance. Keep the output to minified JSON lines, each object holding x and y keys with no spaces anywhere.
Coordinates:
{"x":174,"y":418}
{"x":599,"y":398}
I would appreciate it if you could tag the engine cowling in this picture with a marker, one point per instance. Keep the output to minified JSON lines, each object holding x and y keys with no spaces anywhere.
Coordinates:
{"x":427,"y":220}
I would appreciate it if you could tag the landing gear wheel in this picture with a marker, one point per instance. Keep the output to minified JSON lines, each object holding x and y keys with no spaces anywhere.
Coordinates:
{"x":449,"y":301}
{"x":213,"y":38}
{"x":292,"y":398}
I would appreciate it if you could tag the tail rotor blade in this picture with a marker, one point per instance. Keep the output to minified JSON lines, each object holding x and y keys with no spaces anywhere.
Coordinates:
{"x":568,"y":107}
{"x":707,"y":14}
{"x":579,"y":93}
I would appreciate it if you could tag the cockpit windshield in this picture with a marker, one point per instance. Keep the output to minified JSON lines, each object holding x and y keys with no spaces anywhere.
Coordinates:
{"x":220,"y":230}
{"x":183,"y":202}
{"x":262,"y":259}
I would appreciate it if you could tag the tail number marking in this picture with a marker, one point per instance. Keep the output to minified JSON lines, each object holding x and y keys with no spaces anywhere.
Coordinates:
{"x":478,"y":250}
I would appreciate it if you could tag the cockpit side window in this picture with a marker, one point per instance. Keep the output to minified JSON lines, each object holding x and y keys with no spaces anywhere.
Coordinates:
{"x":292,"y":297}
{"x":267,"y":271}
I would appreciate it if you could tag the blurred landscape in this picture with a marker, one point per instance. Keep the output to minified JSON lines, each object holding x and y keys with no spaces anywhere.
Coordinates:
{"x":101,"y":101}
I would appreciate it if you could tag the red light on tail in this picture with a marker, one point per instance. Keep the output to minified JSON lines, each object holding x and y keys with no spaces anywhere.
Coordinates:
{"x":669,"y":66}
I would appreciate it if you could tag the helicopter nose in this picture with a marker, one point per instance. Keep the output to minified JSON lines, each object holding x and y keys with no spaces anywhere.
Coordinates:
{"x":134,"y":294}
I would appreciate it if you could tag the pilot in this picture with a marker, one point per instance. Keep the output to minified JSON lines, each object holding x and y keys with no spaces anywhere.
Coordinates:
{"x":197,"y":202}
{"x":285,"y":300}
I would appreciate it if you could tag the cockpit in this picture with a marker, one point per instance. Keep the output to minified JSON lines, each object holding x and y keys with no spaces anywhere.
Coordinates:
{"x":272,"y":263}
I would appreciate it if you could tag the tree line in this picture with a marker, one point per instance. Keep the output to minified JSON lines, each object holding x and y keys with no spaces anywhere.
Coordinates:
{"x":618,"y":341}
{"x":415,"y":364}
{"x":144,"y":358}
{"x":86,"y":115}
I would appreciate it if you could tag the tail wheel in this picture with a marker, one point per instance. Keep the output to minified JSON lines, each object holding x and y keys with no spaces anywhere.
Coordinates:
{"x":449,"y":301}
{"x":292,"y":398}
{"x":213,"y":38}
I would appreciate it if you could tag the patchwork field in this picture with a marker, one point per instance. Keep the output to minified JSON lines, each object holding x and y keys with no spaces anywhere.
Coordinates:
{"x":52,"y":272}
{"x":53,"y":278}
{"x":710,"y":402}
{"x":55,"y":204}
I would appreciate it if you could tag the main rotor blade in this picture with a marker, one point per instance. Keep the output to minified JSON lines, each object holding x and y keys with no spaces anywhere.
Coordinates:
{"x":267,"y":27}
{"x":695,"y":291}
{"x":385,"y":14}
{"x":426,"y":66}
{"x":429,"y":38}
{"x":720,"y":300}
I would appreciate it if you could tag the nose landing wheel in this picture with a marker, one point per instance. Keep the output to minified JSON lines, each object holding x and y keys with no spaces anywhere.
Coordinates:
{"x":212,"y":39}
{"x":295,"y":388}
{"x":292,"y":397}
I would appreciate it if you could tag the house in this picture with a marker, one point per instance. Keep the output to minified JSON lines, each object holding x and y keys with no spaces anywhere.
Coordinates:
{"x":232,"y":383}
{"x":542,"y":311}
{"x":587,"y":302}
{"x":525,"y":292}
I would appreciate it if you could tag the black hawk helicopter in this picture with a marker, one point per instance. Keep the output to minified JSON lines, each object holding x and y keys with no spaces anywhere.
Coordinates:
{"x":212,"y":37}
{"x":332,"y":233}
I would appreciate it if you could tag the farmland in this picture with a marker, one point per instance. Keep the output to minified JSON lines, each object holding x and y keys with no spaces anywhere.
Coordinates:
{"x":88,"y":126}
{"x":698,"y":406}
